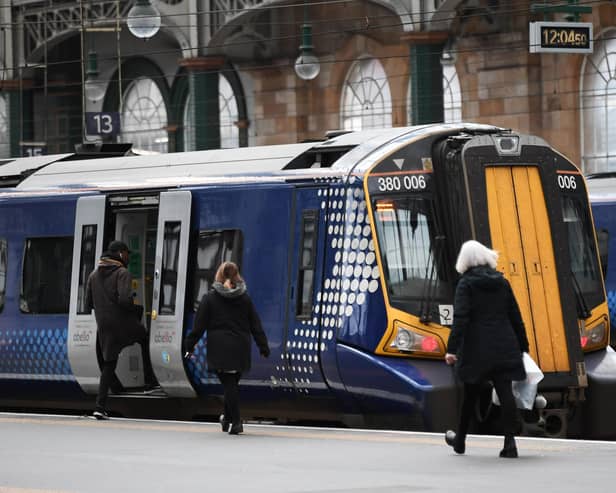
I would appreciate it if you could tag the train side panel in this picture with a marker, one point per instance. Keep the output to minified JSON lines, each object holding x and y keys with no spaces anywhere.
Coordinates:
{"x":33,"y":340}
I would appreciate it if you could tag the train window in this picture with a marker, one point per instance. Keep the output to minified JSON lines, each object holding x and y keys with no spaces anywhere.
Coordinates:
{"x":169,"y":275}
{"x":582,"y":251}
{"x":305,"y":276}
{"x":214,"y":248}
{"x":3,"y":267}
{"x":86,"y":263}
{"x":405,"y":233}
{"x":46,"y":277}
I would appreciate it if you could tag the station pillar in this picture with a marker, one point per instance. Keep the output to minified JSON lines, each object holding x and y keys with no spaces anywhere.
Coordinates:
{"x":426,"y":75}
{"x":203,"y":73}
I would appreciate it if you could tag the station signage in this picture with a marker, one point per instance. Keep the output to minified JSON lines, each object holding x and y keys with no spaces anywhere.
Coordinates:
{"x":105,"y":124}
{"x":560,"y":37}
{"x":32,"y":149}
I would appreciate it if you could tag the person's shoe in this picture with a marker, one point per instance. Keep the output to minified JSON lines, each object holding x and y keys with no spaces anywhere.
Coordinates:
{"x":510,"y":451}
{"x":100,"y":414}
{"x":236,"y":429}
{"x":224,"y":423}
{"x":452,"y":439}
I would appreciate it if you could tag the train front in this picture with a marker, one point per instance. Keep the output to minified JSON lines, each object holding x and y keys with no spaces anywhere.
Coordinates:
{"x":427,"y":195}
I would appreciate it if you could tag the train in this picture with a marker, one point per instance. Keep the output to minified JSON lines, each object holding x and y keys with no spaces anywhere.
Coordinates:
{"x":347,"y":245}
{"x":602,"y":195}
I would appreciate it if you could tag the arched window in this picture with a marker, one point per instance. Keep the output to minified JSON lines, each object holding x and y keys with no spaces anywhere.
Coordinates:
{"x":366,"y":99}
{"x":227,"y":105}
{"x":452,"y":97}
{"x":144,"y":117}
{"x":5,"y":147}
{"x":598,"y":101}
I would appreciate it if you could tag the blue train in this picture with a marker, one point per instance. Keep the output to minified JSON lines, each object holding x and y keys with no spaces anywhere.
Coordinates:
{"x":602,"y":194}
{"x":347,"y":246}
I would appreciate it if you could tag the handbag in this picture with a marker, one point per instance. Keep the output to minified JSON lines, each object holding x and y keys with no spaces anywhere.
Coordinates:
{"x":524,"y":391}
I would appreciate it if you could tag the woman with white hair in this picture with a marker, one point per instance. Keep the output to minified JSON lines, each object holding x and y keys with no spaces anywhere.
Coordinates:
{"x":486,"y":341}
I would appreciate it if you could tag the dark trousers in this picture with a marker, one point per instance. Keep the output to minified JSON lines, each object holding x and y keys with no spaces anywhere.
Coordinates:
{"x":505,"y":396}
{"x":230,"y":383}
{"x":109,"y":378}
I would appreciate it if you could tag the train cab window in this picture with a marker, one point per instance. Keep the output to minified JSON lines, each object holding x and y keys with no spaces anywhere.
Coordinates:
{"x":305,"y":276}
{"x":214,"y":248}
{"x":3,"y":268}
{"x":46,"y":277}
{"x":582,"y":252}
{"x":406,"y":239}
{"x":86,"y":263}
{"x":169,"y":275}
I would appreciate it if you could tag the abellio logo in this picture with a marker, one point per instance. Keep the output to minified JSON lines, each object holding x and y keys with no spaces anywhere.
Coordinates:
{"x":165,"y":337}
{"x":82,"y":337}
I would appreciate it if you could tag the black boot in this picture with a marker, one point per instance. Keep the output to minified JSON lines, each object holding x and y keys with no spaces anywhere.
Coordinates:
{"x":510,"y":451}
{"x":456,"y":441}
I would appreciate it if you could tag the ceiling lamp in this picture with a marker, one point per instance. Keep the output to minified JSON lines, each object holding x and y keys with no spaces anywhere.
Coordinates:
{"x":93,"y":87}
{"x":307,"y":65}
{"x":143,"y":19}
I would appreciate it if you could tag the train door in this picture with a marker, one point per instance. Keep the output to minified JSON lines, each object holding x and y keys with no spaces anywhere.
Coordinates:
{"x":168,"y":293}
{"x":521,"y":232}
{"x":304,"y":336}
{"x":87,"y":247}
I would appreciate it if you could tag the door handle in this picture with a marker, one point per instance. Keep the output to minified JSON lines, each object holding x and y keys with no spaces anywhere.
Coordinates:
{"x":154,"y":314}
{"x":537,"y":267}
{"x":513,"y":269}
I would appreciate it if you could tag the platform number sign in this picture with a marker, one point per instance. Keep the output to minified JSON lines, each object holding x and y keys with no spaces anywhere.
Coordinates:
{"x":33,"y":149}
{"x":105,"y":124}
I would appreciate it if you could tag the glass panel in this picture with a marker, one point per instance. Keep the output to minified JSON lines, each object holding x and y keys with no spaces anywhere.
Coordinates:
{"x":584,"y":264}
{"x":214,"y":248}
{"x":3,"y":270}
{"x":366,"y":99}
{"x":404,"y":228}
{"x":144,"y":118}
{"x":305,"y":276}
{"x":86,"y":263}
{"x":46,"y":281}
{"x":169,"y":274}
{"x":5,"y":148}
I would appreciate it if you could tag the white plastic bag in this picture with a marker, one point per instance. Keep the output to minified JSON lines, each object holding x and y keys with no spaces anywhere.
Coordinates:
{"x":524,"y":391}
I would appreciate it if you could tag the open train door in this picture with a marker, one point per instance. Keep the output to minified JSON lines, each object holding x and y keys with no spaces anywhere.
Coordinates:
{"x":169,"y":291}
{"x":87,"y":248}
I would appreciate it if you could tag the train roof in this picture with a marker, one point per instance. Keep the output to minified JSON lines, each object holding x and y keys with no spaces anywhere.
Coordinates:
{"x":336,"y":156}
{"x":601,"y":186}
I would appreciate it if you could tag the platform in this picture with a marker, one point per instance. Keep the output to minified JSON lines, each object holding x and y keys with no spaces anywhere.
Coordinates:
{"x":62,"y":454}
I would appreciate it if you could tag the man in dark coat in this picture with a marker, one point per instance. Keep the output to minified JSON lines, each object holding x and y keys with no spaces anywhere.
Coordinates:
{"x":486,"y":341}
{"x":109,"y":294}
{"x":230,"y":318}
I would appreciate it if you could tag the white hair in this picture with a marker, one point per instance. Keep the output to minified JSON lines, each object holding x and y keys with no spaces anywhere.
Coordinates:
{"x":472,"y":253}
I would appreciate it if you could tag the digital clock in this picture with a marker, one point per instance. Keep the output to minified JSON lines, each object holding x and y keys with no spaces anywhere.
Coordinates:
{"x":560,"y":37}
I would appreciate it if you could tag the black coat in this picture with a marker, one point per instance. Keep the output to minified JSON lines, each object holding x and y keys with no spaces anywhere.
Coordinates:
{"x":109,"y":293}
{"x":488,"y":334}
{"x":230,"y":322}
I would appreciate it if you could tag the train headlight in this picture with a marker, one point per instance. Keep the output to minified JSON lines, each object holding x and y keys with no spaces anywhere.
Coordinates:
{"x":595,"y":336}
{"x":409,"y":340}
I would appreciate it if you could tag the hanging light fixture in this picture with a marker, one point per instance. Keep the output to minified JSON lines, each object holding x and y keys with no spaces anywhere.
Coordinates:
{"x":143,"y":19}
{"x":307,"y":65}
{"x":94,"y":87}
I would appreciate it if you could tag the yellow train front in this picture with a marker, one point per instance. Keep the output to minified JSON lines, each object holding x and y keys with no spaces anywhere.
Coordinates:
{"x":515,"y":193}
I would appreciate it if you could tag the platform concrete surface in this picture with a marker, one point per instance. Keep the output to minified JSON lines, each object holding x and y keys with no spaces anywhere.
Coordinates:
{"x":43,"y":454}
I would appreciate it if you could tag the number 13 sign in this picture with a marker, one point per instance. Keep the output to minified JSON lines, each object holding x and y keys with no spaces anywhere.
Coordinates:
{"x":104,"y":124}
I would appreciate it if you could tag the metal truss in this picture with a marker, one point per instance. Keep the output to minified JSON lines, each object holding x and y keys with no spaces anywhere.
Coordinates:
{"x":45,"y":20}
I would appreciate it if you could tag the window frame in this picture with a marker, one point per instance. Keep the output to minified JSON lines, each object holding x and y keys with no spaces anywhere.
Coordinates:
{"x":303,"y":311}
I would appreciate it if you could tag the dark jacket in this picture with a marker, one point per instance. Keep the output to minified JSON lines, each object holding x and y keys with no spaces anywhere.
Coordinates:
{"x":230,"y":318}
{"x":488,"y":334}
{"x":109,"y":293}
